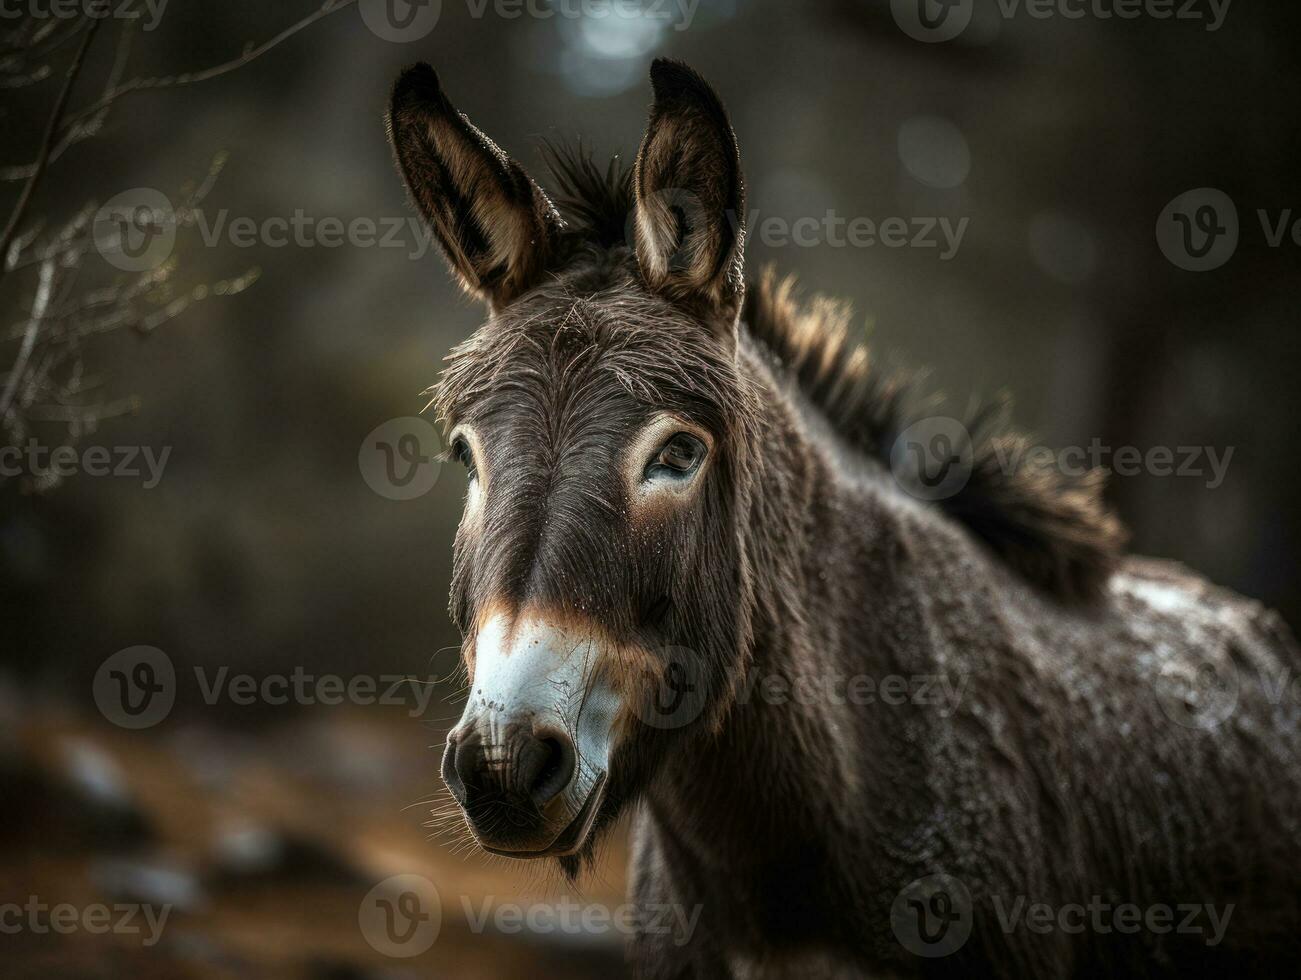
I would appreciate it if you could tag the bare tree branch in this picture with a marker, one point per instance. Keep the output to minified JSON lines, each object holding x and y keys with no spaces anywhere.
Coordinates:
{"x":52,"y":128}
{"x":47,"y":380}
{"x":251,"y":53}
{"x":89,"y":127}
{"x":40,"y":304}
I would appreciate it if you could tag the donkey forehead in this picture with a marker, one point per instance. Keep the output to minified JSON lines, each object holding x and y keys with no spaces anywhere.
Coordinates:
{"x":587,"y":368}
{"x":536,"y":401}
{"x":581,"y":437}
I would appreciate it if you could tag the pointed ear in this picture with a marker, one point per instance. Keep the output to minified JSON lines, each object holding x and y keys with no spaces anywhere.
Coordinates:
{"x":494,"y":224}
{"x":690,"y":197}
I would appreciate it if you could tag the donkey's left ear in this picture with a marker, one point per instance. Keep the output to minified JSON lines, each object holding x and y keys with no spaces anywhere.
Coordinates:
{"x":495,"y":225}
{"x":690,"y":197}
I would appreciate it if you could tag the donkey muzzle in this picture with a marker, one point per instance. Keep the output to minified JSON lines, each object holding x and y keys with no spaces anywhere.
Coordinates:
{"x":528,"y":760}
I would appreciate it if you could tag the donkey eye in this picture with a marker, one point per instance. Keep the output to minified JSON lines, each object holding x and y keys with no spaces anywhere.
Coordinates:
{"x":462,"y":453}
{"x":680,"y":456}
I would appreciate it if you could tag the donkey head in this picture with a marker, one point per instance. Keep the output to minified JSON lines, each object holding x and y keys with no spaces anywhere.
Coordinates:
{"x":598,"y":569}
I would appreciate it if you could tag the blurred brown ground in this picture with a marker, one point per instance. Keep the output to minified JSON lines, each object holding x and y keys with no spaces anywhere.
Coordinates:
{"x":266,"y":843}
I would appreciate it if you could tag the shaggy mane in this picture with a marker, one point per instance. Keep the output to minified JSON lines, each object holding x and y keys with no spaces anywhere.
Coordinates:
{"x":595,"y":204}
{"x":1053,"y":529}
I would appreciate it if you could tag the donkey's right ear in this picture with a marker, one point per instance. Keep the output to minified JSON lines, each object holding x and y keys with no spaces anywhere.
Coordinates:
{"x":690,"y":196}
{"x":495,"y":225}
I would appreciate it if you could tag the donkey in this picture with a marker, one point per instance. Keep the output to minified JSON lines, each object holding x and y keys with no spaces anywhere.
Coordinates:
{"x":875,"y":712}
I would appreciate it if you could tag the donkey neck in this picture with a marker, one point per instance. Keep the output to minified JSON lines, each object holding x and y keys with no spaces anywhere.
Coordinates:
{"x":787,"y":765}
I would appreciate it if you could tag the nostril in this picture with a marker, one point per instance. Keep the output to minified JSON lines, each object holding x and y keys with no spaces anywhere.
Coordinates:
{"x":531,"y":765}
{"x":451,"y":775}
{"x":553,"y":768}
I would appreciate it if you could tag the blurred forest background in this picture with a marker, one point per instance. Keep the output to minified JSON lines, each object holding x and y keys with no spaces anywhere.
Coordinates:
{"x":263,"y":549}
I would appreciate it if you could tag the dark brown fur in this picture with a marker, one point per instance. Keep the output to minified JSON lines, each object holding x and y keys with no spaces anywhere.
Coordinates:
{"x":793,"y":826}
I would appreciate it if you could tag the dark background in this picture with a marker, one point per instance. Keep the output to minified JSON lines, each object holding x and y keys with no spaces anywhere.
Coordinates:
{"x":263,"y":549}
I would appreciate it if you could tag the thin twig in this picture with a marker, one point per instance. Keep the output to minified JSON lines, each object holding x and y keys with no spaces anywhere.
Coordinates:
{"x":251,"y":53}
{"x":85,"y":122}
{"x":40,"y":303}
{"x":47,"y":142}
{"x":82,"y":130}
